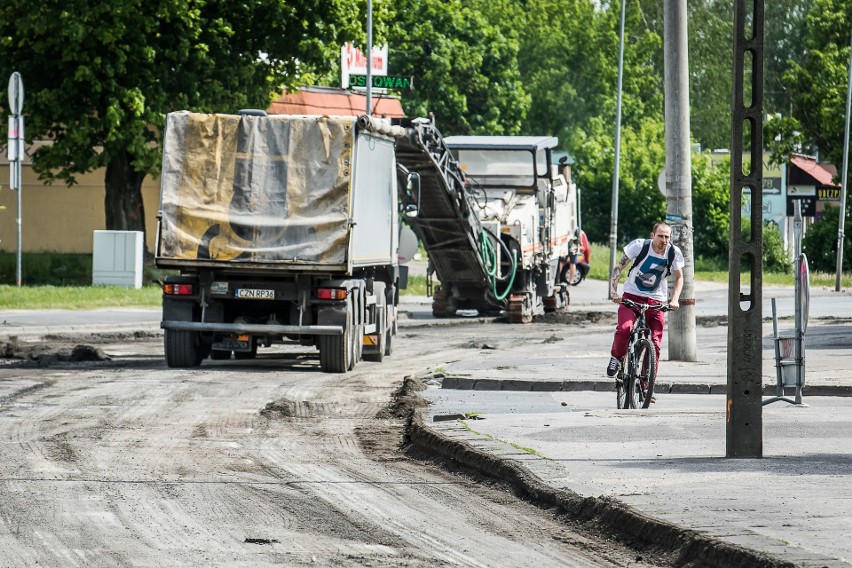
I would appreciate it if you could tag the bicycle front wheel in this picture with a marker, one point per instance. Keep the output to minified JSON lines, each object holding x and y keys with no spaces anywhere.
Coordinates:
{"x":646,"y":372}
{"x":631,"y":379}
{"x":621,"y":390}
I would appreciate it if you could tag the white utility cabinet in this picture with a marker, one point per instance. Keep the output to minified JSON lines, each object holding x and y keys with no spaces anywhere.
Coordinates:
{"x":117,"y":258}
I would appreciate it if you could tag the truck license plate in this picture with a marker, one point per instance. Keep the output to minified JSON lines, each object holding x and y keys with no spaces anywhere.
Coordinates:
{"x":253,"y":294}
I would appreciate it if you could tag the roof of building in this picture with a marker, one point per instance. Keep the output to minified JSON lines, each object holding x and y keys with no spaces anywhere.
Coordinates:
{"x":335,"y":102}
{"x":822,"y":173}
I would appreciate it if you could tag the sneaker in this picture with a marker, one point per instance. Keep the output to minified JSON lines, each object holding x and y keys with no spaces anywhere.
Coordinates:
{"x":613,"y":367}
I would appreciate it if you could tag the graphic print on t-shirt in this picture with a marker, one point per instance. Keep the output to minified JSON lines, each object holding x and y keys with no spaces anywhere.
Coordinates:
{"x":650,"y":273}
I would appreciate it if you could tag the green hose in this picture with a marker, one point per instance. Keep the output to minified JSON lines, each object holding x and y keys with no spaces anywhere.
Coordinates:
{"x":489,"y":259}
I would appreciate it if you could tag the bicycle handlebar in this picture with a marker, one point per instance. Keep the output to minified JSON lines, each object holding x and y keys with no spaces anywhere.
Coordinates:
{"x":632,"y":304}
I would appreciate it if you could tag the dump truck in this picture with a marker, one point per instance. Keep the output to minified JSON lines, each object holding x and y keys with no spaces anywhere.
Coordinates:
{"x":495,"y":215}
{"x":279,"y":229}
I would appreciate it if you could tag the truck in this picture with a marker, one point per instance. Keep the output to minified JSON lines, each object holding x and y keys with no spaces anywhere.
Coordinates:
{"x":279,"y":229}
{"x":495,"y":215}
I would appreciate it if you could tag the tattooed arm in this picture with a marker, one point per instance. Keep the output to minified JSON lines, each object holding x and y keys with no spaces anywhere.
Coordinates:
{"x":615,"y":277}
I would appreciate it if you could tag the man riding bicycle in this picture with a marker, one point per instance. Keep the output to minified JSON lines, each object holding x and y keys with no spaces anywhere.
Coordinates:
{"x":654,"y":259}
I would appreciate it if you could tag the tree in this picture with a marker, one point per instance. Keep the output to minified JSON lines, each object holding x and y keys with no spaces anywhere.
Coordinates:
{"x":818,"y":82}
{"x":820,"y":243}
{"x":640,"y":203}
{"x":711,"y":197}
{"x":710,"y":33}
{"x":100,"y":77}
{"x":465,"y":66}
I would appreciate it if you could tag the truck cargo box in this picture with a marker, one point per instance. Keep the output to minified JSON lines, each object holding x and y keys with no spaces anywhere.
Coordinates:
{"x":292,"y":193}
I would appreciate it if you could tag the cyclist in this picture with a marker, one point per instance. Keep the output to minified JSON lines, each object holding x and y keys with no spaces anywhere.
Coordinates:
{"x":653,"y":259}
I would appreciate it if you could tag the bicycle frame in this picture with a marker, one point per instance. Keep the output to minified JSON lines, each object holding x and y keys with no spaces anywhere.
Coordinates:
{"x":635,"y":381}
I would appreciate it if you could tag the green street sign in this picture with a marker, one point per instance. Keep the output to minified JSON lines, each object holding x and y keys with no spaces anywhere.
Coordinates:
{"x":383,"y":82}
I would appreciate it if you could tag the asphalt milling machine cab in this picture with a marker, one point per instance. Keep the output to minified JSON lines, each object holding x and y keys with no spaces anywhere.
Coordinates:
{"x":495,"y":215}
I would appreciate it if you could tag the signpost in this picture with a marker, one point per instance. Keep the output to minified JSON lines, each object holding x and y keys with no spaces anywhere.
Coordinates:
{"x":16,"y":152}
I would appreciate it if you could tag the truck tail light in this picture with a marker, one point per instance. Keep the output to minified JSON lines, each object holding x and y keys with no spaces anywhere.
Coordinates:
{"x":178,"y":289}
{"x":331,"y":293}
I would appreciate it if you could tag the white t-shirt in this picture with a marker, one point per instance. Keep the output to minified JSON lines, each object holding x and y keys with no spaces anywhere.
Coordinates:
{"x":648,"y":279}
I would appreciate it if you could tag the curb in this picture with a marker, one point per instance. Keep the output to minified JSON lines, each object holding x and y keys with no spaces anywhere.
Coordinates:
{"x":36,"y":332}
{"x":689,"y":547}
{"x":468,"y":383}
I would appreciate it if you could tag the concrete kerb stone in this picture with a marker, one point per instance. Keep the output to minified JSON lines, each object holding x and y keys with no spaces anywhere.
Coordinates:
{"x":687,"y":388}
{"x":692,"y":548}
{"x":820,"y":390}
{"x":487,"y":384}
{"x":458,"y":383}
{"x":550,"y":386}
{"x":582,"y":385}
{"x":516,"y":385}
{"x":469,"y":383}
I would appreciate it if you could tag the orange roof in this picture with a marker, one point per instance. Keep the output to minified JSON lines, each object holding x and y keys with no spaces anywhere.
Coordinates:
{"x":823,"y":173}
{"x":334,"y":102}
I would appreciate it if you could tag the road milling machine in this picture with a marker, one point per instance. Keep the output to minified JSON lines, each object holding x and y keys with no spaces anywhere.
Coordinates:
{"x":495,"y":215}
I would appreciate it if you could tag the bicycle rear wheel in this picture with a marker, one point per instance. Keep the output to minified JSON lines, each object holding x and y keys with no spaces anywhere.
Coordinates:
{"x":646,"y":372}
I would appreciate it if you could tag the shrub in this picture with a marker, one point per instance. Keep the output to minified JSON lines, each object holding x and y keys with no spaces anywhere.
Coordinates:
{"x":820,"y":243}
{"x":775,"y":258}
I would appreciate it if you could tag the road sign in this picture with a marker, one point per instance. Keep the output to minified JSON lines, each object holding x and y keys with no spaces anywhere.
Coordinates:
{"x":16,"y":93}
{"x":15,"y":147}
{"x":383,"y":82}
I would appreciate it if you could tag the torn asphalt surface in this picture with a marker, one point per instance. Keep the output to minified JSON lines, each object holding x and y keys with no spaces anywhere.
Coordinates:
{"x":661,"y":471}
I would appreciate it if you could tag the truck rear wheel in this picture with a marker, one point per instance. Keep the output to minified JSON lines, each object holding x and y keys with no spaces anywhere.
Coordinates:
{"x":389,"y":341}
{"x":336,"y":350}
{"x":357,"y":345}
{"x":182,"y":348}
{"x":381,"y":337}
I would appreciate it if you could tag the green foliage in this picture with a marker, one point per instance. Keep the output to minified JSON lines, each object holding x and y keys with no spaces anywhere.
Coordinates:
{"x":640,"y":203}
{"x":465,"y":63}
{"x":101,"y":76}
{"x":59,"y":269}
{"x":599,"y":268}
{"x":817,"y":82}
{"x":40,"y":269}
{"x":416,"y":285}
{"x":710,"y":57}
{"x":711,"y":198}
{"x":775,"y":258}
{"x":47,"y":297}
{"x":820,"y":242}
{"x":781,"y":135}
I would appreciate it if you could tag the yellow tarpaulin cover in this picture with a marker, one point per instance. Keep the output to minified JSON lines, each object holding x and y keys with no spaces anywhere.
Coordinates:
{"x":256,"y":189}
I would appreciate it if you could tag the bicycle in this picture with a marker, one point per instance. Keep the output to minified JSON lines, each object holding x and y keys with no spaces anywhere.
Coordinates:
{"x":634,"y":382}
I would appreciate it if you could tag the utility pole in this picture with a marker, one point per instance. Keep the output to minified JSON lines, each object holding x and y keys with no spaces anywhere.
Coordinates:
{"x":842,"y":220}
{"x":613,"y":216}
{"x":369,"y":58}
{"x":682,"y":341}
{"x":744,"y":409}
